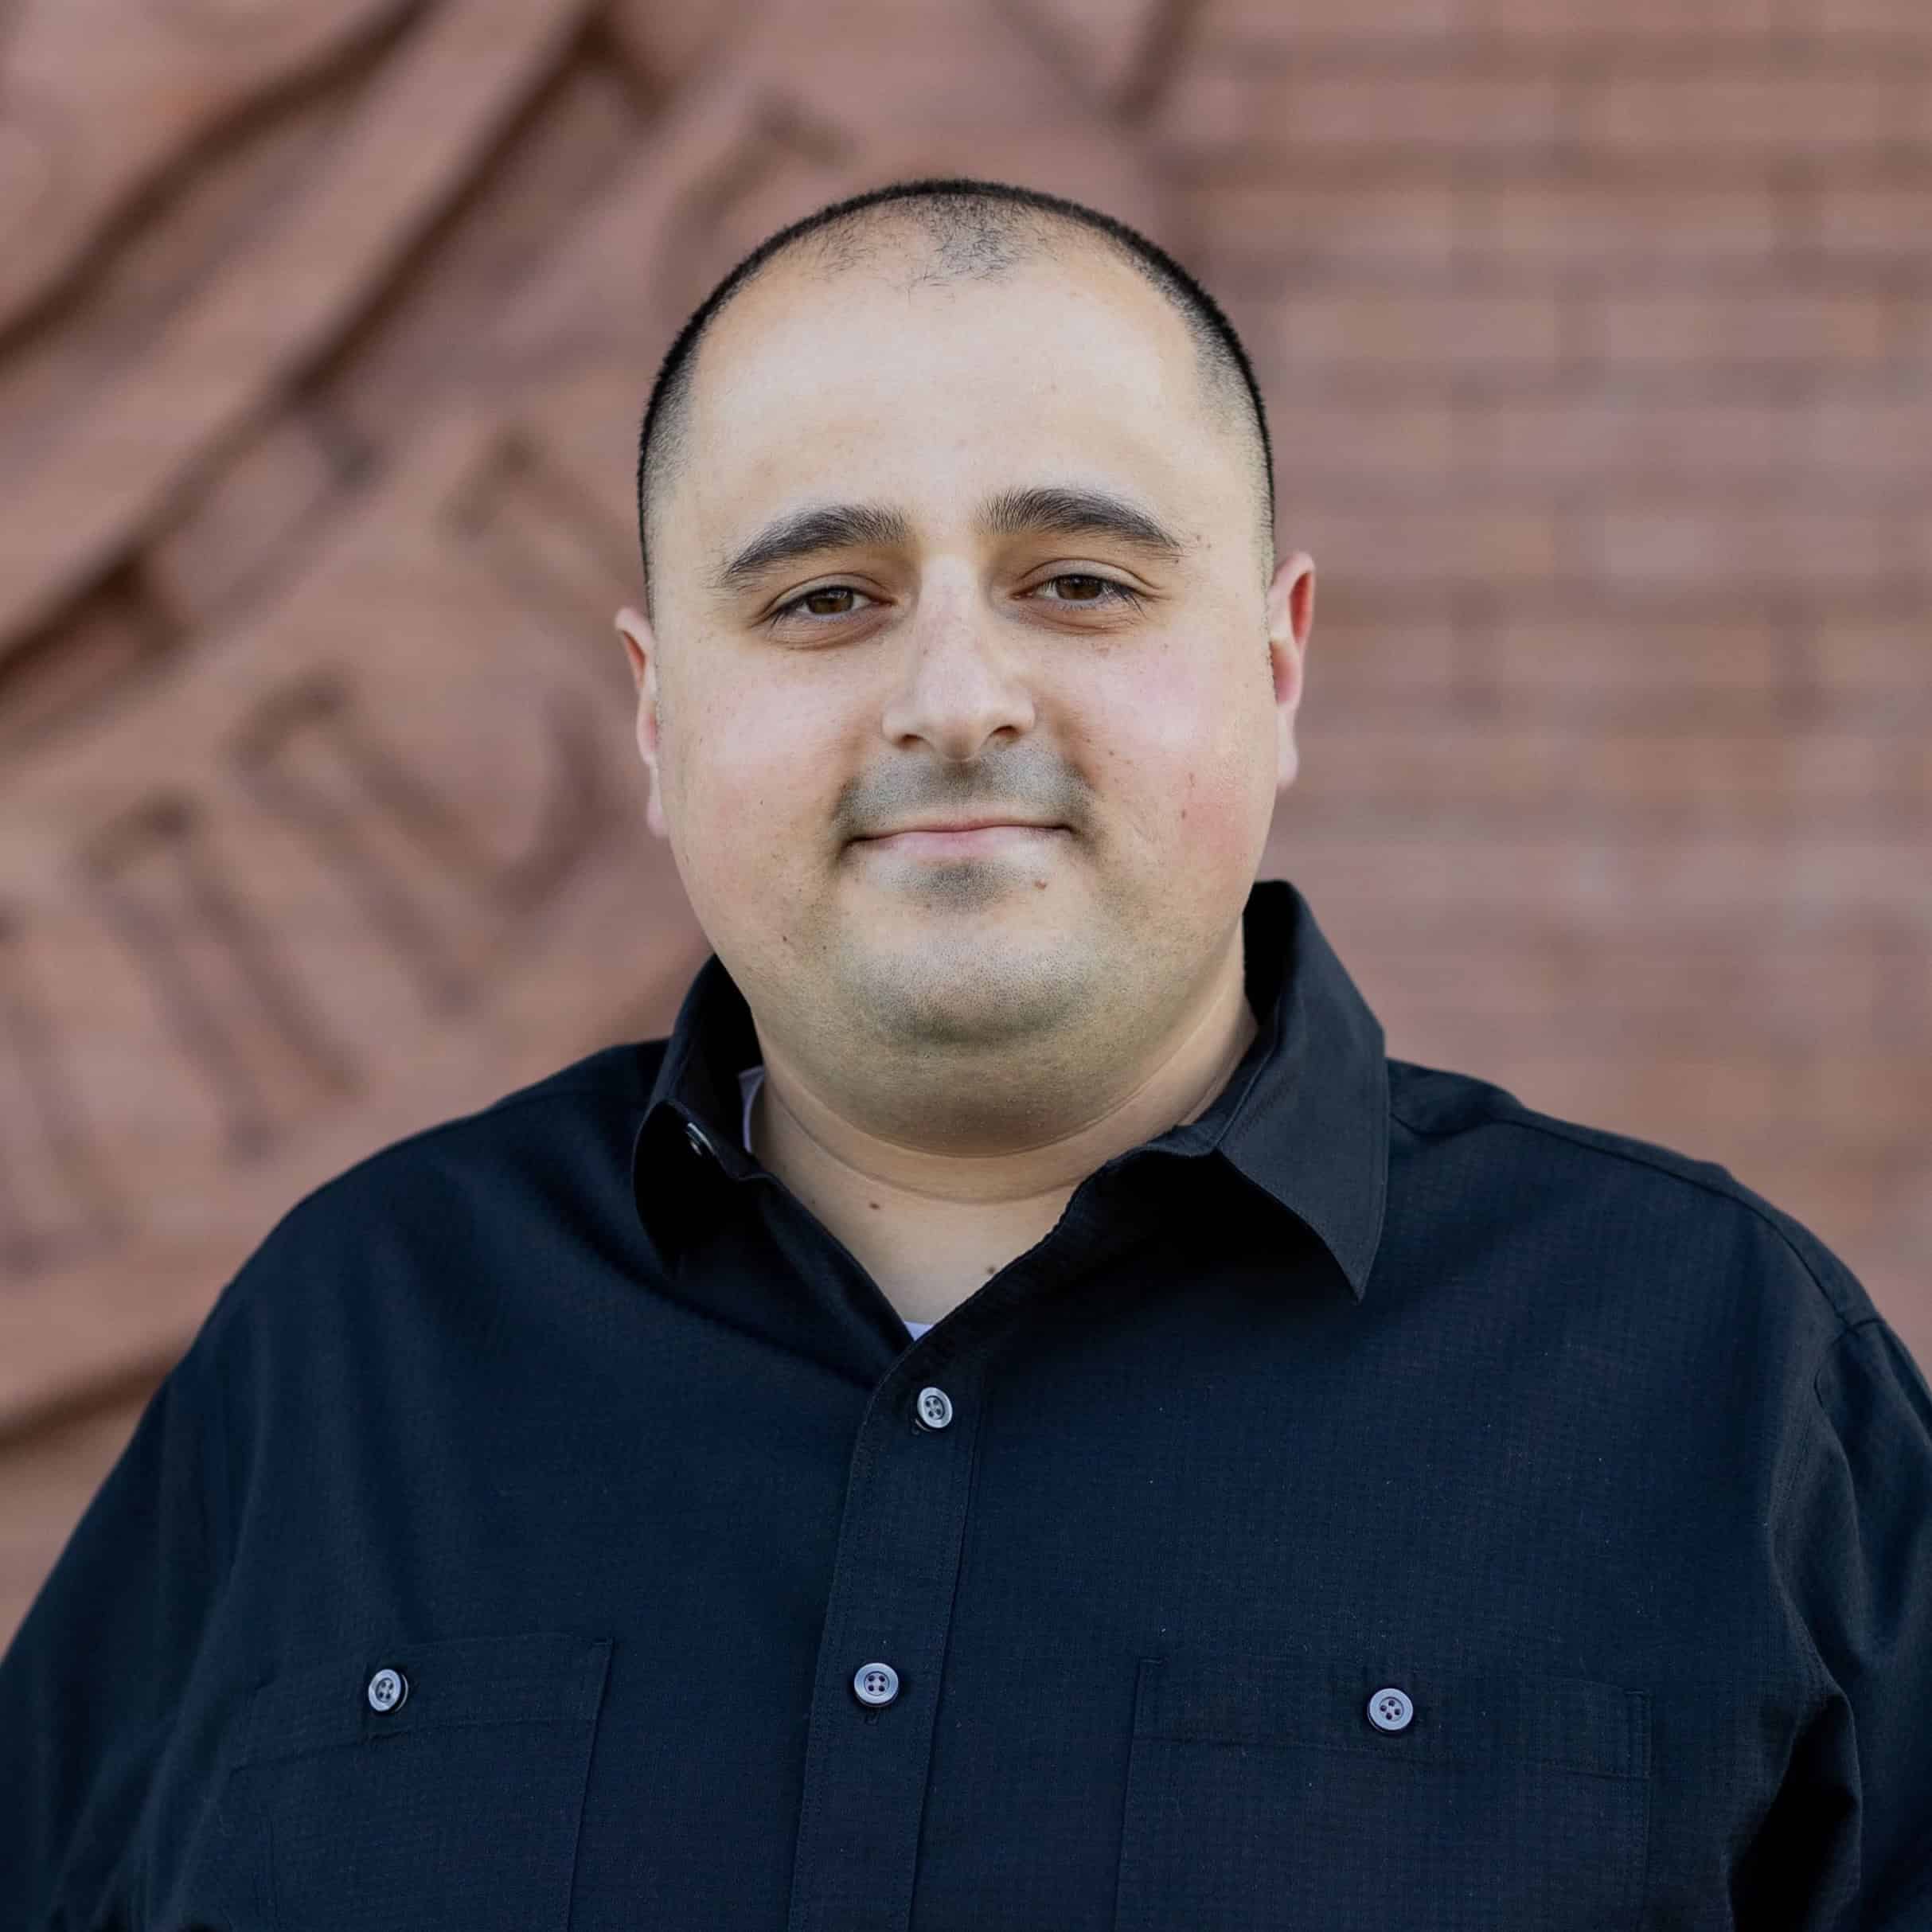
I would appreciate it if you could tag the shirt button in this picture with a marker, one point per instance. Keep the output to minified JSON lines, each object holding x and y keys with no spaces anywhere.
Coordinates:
{"x":386,"y":1689}
{"x":934,"y":1409}
{"x":700,"y":1141}
{"x":1390,"y":1709}
{"x":876,"y":1684}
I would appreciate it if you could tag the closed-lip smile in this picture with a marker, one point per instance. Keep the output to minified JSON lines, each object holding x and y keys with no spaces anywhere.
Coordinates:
{"x":966,"y":825}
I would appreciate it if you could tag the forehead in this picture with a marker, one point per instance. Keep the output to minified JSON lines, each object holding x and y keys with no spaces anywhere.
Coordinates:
{"x":889,"y":359}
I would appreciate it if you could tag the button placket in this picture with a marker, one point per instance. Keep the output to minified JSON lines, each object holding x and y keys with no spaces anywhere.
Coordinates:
{"x":870,"y":1737}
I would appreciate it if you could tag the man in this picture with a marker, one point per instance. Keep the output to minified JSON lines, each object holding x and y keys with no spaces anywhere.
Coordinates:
{"x":1018,"y":1414}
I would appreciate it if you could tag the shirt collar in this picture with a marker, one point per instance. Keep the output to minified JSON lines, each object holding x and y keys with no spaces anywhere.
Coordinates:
{"x":1304,"y":1117}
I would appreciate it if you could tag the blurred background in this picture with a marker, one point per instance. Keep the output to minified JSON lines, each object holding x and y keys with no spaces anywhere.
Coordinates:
{"x":1596,"y":343}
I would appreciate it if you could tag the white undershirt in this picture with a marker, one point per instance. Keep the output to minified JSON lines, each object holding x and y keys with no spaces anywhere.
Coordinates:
{"x":749,"y":1084}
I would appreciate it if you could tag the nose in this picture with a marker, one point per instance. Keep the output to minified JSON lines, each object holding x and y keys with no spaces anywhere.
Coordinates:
{"x":959,"y":680}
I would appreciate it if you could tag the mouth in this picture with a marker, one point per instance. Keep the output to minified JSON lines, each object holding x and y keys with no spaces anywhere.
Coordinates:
{"x":943,"y":842}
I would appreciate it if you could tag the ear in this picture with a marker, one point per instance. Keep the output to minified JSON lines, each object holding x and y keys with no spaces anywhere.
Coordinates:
{"x":1291,"y":609}
{"x":641,"y":650}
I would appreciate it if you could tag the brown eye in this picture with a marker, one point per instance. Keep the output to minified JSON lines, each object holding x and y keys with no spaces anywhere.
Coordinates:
{"x":833,"y":591}
{"x":1106,"y":589}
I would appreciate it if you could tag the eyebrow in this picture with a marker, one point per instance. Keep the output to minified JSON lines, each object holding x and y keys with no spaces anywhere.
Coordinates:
{"x":1044,"y":509}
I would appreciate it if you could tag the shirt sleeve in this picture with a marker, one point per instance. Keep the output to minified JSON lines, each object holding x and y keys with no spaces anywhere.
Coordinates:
{"x":1854,"y":1820}
{"x":91,"y":1682}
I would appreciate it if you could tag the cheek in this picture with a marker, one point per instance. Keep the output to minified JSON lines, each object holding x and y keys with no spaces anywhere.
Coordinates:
{"x":1178,"y":746}
{"x":753,"y":783}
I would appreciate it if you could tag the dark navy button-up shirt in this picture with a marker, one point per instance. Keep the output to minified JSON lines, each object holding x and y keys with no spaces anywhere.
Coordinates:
{"x":1375,"y":1504}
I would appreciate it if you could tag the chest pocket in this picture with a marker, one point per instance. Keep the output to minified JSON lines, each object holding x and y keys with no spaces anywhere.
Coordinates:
{"x":454,"y":1805}
{"x":1262,"y":1796}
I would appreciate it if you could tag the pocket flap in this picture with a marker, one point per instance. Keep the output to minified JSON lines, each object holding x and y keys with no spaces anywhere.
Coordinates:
{"x":536,"y":1676}
{"x":1223,"y":1695}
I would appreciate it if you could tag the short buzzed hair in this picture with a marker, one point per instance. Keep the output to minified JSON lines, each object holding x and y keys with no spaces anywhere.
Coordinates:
{"x":978,"y":230}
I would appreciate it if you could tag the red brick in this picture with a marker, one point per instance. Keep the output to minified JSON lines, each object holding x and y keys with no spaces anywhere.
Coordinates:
{"x":1710,"y":1102}
{"x":1914,"y":752}
{"x":1724,"y":1105}
{"x":1371,"y":770}
{"x":1886,"y":439}
{"x":1435,"y":547}
{"x":1905,"y":19}
{"x":1874,"y":1101}
{"x":1922,"y":545}
{"x":1787,"y":116}
{"x":1649,"y":664}
{"x":1397,"y":444}
{"x":1697,"y":542}
{"x":1229,"y":25}
{"x":1388,"y":879}
{"x":1625,"y":879}
{"x":1512,"y":444}
{"x":1551,"y":989}
{"x":1658,"y":229}
{"x":1276,"y":233}
{"x":1773,"y":327}
{"x":1266,"y":117}
{"x":1439,"y":332}
{"x":1844,"y":1198}
{"x":1646,"y":20}
{"x":1867,"y":222}
{"x":1871,"y":668}
{"x":1357,"y":664}
{"x":1561,"y":773}
{"x":1767,"y":773}
{"x":1916,"y":348}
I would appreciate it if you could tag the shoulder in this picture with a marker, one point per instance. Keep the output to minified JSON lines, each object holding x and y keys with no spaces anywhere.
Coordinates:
{"x":1620,"y":1180}
{"x":425,"y":1198}
{"x":557,"y":1117}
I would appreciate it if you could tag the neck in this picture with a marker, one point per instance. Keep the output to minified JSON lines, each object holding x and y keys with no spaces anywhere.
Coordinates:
{"x":818,"y":1152}
{"x":931,"y":1230}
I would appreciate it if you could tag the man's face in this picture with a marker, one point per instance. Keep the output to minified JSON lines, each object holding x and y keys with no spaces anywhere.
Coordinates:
{"x":943,"y":670}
